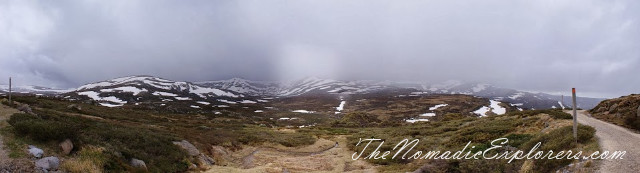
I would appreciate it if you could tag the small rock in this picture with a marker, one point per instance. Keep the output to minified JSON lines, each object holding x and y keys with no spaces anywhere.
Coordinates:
{"x":218,"y":150}
{"x":191,"y":150}
{"x":219,"y":154}
{"x":613,"y":107}
{"x":66,"y":146}
{"x":138,"y":163}
{"x":74,"y":107}
{"x":48,"y":163}
{"x":26,"y":109}
{"x":204,"y":128}
{"x":35,"y":151}
{"x":206,"y":160}
{"x":602,"y":109}
{"x":193,"y":167}
{"x":638,"y":114}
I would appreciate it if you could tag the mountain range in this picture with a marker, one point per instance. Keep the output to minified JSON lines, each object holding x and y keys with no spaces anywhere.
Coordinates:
{"x":150,"y":89}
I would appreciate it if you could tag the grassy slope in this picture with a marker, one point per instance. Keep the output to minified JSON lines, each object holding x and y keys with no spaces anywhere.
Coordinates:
{"x":121,"y":134}
{"x":127,"y":134}
{"x":522,"y":128}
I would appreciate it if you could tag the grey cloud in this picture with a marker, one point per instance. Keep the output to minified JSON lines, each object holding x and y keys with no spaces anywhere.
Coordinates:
{"x":531,"y":45}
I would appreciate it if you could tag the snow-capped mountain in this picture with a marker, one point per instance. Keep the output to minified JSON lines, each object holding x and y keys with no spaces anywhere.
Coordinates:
{"x":330,"y":86}
{"x":521,"y":99}
{"x":120,"y":91}
{"x":142,"y":82}
{"x":33,"y":89}
{"x":243,"y":86}
{"x":314,"y":85}
{"x":309,"y":85}
{"x":137,"y":89}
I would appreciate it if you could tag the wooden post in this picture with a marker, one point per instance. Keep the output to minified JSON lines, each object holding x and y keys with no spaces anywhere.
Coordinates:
{"x":10,"y":102}
{"x":575,"y":116}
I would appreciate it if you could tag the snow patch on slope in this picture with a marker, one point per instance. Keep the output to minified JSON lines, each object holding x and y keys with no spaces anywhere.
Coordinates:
{"x":248,"y":102}
{"x":417,"y":120}
{"x":516,"y":95}
{"x":428,"y":115}
{"x":341,"y":107}
{"x":160,"y":93}
{"x":494,"y":106}
{"x":437,"y":106}
{"x":303,"y":111}
{"x":96,"y":96}
{"x":129,"y":89}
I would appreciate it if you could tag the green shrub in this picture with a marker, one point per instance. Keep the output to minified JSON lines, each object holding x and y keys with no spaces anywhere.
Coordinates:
{"x":560,"y":139}
{"x":516,"y":140}
{"x":555,"y":113}
{"x":632,"y":122}
{"x":156,"y":149}
{"x":484,"y":130}
{"x":42,"y":130}
{"x":357,"y":119}
{"x":123,"y":143}
{"x":294,"y":139}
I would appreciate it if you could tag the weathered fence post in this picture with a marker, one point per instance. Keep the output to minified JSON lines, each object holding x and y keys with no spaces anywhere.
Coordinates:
{"x":10,"y":102}
{"x":575,"y":116}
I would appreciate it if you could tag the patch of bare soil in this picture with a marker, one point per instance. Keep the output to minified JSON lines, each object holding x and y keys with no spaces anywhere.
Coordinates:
{"x":323,"y":156}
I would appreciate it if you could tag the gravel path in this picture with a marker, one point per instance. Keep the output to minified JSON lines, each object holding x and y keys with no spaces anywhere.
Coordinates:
{"x":615,"y":138}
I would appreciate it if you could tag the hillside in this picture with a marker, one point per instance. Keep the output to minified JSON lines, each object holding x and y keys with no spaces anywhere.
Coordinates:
{"x":243,"y":86}
{"x":156,"y":91}
{"x":152,"y":91}
{"x":313,"y":85}
{"x":623,"y":111}
{"x":283,"y":134}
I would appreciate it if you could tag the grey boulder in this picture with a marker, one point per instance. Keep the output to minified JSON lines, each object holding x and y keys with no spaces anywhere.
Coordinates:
{"x":35,"y":151}
{"x":48,"y":163}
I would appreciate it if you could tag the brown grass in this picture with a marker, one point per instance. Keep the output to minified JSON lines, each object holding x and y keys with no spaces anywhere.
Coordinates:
{"x":88,"y":159}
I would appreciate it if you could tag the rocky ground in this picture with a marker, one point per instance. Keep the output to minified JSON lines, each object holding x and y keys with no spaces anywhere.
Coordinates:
{"x":623,"y":111}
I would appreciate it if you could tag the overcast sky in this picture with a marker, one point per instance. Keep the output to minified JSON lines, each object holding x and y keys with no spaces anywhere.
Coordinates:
{"x":545,"y":45}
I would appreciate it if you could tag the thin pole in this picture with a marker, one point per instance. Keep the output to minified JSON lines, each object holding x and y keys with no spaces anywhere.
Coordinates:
{"x":575,"y":116}
{"x":10,"y":102}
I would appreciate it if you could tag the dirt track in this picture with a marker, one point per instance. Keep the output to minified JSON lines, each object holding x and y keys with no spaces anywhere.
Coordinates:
{"x":615,"y":138}
{"x":323,"y":156}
